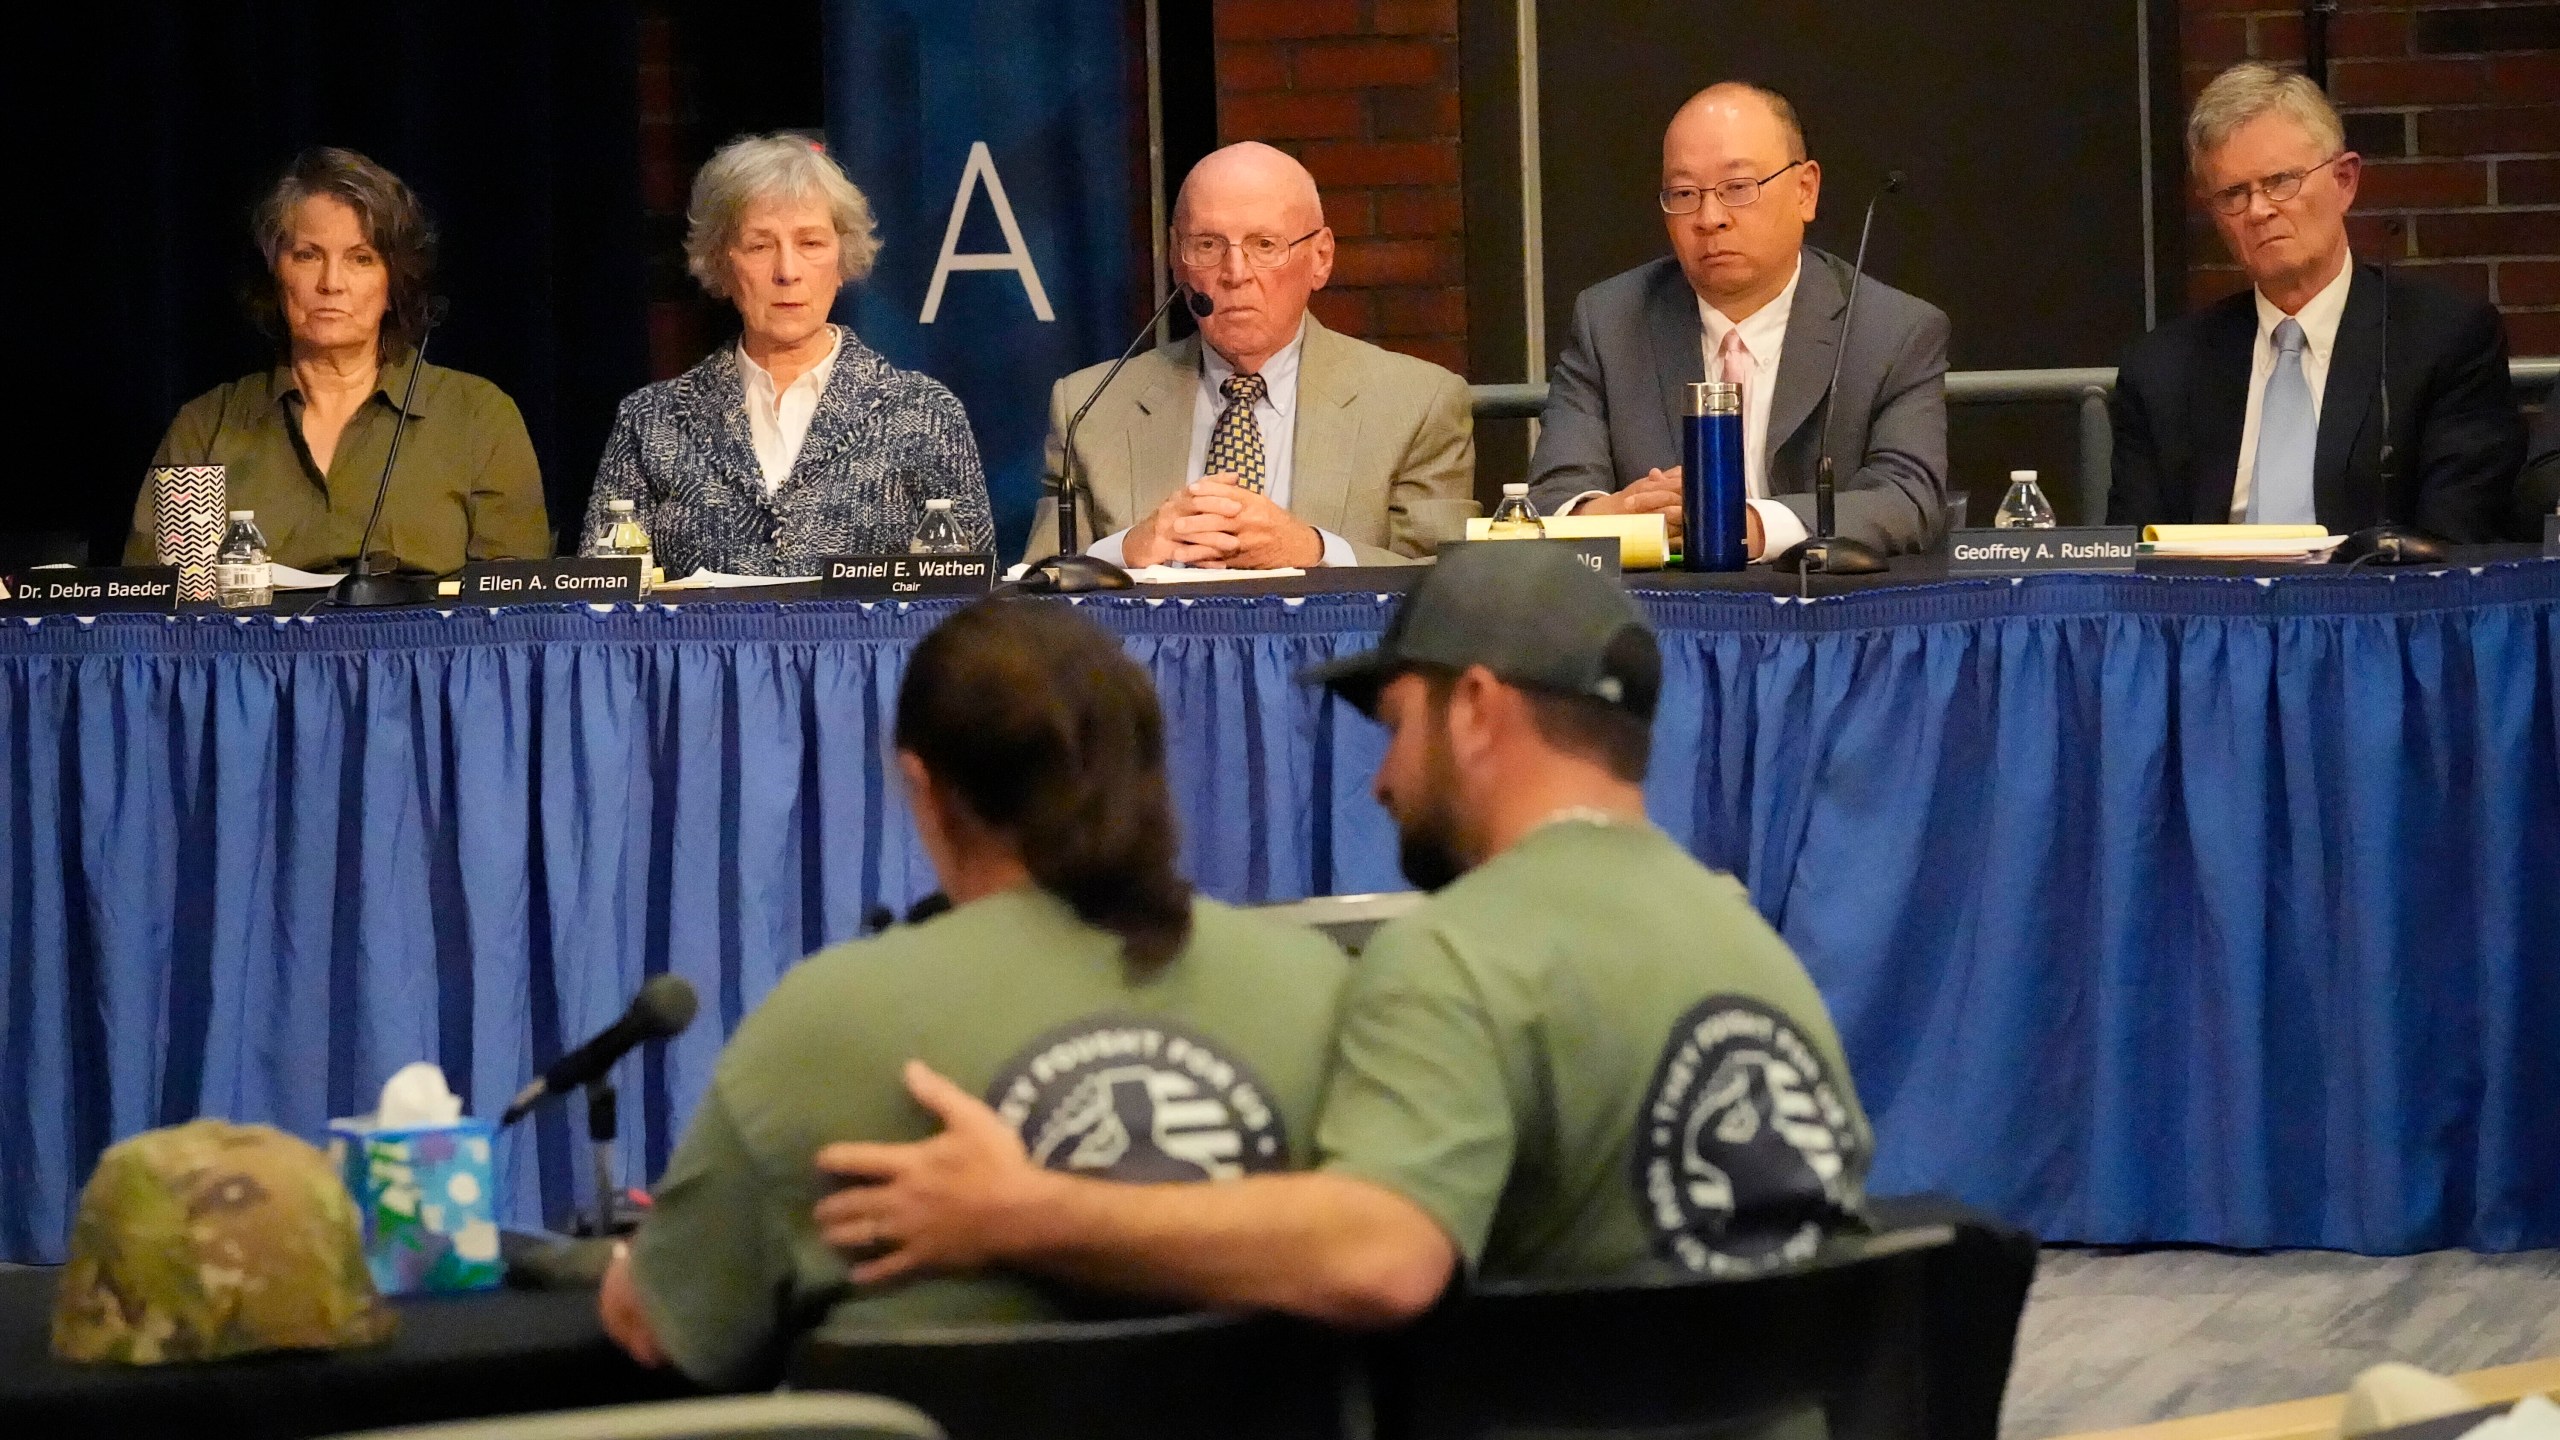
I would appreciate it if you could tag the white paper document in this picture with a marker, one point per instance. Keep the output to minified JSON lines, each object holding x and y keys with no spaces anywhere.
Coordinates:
{"x":285,"y":577}
{"x":714,"y":580}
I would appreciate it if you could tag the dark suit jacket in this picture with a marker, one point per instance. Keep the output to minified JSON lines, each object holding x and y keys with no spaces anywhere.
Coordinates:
{"x":1615,"y":399}
{"x":2182,"y":394}
{"x":2538,"y":491}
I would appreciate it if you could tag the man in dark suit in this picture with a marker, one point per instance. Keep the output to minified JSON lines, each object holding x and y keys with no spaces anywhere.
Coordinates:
{"x":2538,"y":492}
{"x":1742,"y":297}
{"x":2268,"y":407}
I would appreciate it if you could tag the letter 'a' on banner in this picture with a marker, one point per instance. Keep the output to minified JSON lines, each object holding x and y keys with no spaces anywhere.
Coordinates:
{"x":1002,"y":144}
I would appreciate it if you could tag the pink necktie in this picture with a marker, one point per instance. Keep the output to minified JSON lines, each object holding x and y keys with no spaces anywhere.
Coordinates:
{"x":1733,"y":358}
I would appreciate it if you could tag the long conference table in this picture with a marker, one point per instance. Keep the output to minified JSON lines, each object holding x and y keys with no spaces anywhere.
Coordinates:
{"x":2210,"y":904}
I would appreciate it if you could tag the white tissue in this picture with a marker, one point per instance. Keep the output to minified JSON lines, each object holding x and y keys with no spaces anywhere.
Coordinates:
{"x":2534,"y":1418}
{"x":417,"y":1096}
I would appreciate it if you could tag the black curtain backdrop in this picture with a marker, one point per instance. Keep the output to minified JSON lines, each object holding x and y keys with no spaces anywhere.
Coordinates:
{"x":517,"y":123}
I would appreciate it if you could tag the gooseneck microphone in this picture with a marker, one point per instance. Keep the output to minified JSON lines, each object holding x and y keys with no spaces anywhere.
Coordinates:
{"x":2386,"y":542}
{"x":1824,"y":552}
{"x":660,"y":1011}
{"x":361,"y":587}
{"x":1066,"y":572}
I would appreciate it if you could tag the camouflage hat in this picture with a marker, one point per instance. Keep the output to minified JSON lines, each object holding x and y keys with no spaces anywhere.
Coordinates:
{"x":207,"y":1240}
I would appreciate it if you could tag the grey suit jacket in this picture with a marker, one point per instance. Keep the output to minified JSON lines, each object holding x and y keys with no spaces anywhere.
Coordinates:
{"x":1615,"y":400}
{"x":1385,"y":454}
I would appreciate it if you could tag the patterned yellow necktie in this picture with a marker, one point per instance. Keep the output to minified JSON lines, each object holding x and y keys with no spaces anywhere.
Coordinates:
{"x":1235,"y":447}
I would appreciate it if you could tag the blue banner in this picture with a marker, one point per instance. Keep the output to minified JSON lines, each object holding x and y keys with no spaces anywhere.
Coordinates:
{"x":998,"y":141}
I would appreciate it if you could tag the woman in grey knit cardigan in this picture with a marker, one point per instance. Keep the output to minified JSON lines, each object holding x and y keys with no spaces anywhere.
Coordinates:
{"x":799,"y":441}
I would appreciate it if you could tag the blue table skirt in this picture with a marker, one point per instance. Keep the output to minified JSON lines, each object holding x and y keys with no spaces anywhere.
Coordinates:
{"x":2151,"y":909}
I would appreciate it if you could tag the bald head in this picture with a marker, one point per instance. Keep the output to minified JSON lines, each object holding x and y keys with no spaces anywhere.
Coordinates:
{"x":1252,"y":175}
{"x":1741,"y":105}
{"x":1251,"y":195}
{"x":1737,"y":193}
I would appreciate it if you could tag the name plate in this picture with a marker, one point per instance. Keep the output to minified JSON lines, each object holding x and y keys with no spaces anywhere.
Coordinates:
{"x":906,"y":577}
{"x":2551,"y":536}
{"x":2023,"y":552}
{"x":86,"y":590}
{"x":1599,"y":552}
{"x":599,"y":580}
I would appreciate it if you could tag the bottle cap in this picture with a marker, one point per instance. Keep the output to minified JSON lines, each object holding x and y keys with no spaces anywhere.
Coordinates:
{"x":618,"y":507}
{"x":1521,"y":490}
{"x":939,"y":502}
{"x":2029,"y":476}
{"x":244,"y":514}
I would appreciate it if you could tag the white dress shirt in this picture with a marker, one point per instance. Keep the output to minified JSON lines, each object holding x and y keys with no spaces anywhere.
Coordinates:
{"x":779,"y":424}
{"x":1764,"y":334}
{"x":1276,"y":413}
{"x":2319,"y":317}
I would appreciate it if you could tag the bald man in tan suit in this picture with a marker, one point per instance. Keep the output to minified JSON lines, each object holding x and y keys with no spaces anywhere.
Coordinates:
{"x":1277,"y":442}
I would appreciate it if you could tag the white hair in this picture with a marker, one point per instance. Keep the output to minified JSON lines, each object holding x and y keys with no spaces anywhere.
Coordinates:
{"x":2251,"y":89}
{"x":771,"y":167}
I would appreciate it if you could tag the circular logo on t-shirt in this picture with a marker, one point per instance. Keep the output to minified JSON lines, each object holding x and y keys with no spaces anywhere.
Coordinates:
{"x":1124,"y":1098}
{"x":1745,"y":1147}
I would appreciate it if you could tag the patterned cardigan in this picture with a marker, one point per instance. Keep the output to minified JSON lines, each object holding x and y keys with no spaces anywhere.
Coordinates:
{"x":881,"y":442}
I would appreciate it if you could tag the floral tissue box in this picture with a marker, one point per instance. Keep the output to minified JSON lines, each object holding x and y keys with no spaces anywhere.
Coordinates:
{"x":428,"y":1200}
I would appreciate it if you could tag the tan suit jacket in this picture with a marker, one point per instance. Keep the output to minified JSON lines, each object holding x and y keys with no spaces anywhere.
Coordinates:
{"x":1385,"y":454}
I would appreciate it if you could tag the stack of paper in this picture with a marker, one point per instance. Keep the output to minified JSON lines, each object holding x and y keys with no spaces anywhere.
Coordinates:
{"x":2240,"y":542}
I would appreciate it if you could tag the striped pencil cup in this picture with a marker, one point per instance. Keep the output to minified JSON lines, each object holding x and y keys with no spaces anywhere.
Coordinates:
{"x":189,"y":502}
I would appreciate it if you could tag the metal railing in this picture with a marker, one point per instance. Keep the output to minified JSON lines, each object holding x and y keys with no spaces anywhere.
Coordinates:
{"x":2090,"y":386}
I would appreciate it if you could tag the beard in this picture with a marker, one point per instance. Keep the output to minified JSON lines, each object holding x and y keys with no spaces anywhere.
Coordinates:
{"x":1429,"y":848}
{"x":1427,"y":856}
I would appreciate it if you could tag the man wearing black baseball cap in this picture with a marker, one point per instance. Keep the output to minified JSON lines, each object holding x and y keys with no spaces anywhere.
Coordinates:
{"x":1586,"y":1054}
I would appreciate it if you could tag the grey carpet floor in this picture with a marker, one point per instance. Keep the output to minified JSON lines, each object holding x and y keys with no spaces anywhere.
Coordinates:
{"x":2117,"y":1337}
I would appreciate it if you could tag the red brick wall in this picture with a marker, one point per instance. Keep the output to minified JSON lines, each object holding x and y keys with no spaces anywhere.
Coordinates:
{"x":1366,"y":93}
{"x":2456,"y":110}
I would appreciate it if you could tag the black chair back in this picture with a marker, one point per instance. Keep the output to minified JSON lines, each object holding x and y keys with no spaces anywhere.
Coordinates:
{"x":1840,"y":1347}
{"x":1184,"y":1377}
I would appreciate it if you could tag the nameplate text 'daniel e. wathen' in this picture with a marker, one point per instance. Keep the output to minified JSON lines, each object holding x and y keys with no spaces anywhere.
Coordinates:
{"x":906,"y":577}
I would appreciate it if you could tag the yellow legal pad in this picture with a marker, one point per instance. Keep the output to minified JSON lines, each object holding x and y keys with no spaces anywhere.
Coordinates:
{"x":1644,"y":542}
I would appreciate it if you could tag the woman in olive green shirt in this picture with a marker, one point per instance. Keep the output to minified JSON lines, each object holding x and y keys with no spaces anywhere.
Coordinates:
{"x":351,"y":251}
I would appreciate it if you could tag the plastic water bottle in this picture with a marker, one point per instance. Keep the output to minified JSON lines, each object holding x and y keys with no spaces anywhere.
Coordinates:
{"x":938,"y":533}
{"x":624,"y":537}
{"x":2024,"y":508}
{"x":1515,"y":518}
{"x":242,"y":577}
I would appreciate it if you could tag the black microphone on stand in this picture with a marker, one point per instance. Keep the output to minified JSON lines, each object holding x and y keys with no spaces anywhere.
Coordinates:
{"x":1824,"y":552}
{"x":1066,"y":572}
{"x":2388,"y":543}
{"x":660,"y":1011}
{"x":361,"y":588}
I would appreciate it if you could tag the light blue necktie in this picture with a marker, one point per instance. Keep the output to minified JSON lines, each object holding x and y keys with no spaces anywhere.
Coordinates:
{"x":2288,"y":437}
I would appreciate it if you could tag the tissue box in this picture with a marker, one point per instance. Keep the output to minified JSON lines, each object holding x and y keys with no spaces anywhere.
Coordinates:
{"x":429,"y":1201}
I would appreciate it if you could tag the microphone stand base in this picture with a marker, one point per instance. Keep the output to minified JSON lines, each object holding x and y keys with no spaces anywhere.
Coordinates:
{"x":360,"y":591}
{"x":2389,"y":545}
{"x":1834,"y":556}
{"x":1073,"y":575}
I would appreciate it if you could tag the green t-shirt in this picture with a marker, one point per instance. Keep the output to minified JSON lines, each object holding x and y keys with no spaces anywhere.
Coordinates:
{"x":1590,"y":1053}
{"x":1210,"y":1067}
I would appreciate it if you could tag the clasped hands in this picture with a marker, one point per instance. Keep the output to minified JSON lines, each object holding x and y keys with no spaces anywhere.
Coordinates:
{"x":1659,"y":490}
{"x":1216,"y":523}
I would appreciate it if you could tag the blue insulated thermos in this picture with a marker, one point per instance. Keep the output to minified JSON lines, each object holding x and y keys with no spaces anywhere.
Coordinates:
{"x":1712,"y":533}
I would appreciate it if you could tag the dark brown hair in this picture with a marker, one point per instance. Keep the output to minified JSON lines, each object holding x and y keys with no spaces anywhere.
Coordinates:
{"x":395,"y":225}
{"x":1039,"y":723}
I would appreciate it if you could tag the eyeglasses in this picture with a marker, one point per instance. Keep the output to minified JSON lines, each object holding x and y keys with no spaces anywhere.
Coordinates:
{"x":1262,"y":252}
{"x":2279,"y":187}
{"x":1733,"y":194}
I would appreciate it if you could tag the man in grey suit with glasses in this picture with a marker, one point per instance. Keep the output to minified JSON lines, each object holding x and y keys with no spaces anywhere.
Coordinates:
{"x":1743,"y":298}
